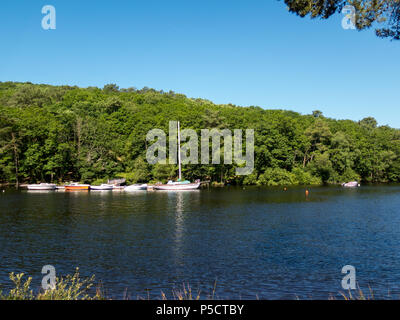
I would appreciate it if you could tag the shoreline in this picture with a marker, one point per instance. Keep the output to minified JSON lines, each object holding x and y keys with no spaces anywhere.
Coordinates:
{"x":222,"y":185}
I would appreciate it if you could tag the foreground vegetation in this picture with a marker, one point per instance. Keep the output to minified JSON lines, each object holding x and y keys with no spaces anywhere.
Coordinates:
{"x":62,"y":133}
{"x":72,"y":287}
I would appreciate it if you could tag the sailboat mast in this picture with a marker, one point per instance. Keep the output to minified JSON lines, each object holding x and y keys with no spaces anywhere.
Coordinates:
{"x":179,"y":152}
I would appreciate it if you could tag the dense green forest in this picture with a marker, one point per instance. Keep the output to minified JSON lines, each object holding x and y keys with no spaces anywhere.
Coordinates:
{"x":63,"y":133}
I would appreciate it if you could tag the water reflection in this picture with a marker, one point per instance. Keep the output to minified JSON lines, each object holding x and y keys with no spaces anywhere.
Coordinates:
{"x":180,"y":202}
{"x":179,"y":227}
{"x":39,"y":191}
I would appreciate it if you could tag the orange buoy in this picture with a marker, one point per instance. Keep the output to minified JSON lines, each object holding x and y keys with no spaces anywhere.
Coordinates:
{"x":307,"y":193}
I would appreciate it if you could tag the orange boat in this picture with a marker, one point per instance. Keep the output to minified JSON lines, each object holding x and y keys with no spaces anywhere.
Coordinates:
{"x":76,"y":187}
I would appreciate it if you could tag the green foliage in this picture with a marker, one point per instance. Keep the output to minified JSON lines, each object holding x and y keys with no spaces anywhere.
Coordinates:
{"x":71,"y":287}
{"x":99,"y":182}
{"x":140,"y":170}
{"x":21,"y":290}
{"x":322,"y":166}
{"x":250,"y":179}
{"x":60,"y":133}
{"x":163,"y":173}
{"x":369,"y":12}
{"x":276,"y":176}
{"x":305,"y":178}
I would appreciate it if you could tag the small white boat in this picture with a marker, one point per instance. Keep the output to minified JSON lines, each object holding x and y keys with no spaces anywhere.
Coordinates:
{"x":136,"y":187}
{"x":42,"y":186}
{"x":351,"y":184}
{"x":102,"y":187}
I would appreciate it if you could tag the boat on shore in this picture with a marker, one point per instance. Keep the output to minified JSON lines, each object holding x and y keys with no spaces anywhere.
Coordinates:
{"x":77,"y":187}
{"x":351,"y":184}
{"x":42,"y":186}
{"x":136,"y":187}
{"x":102,"y":187}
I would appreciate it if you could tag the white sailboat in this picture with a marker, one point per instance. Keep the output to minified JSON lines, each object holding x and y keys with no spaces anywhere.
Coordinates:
{"x":178,"y":185}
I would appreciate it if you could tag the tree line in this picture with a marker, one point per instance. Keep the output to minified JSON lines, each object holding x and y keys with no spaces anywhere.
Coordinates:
{"x":65,"y":133}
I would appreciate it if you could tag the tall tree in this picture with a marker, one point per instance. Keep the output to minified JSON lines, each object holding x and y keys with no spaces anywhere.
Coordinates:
{"x":10,"y":147}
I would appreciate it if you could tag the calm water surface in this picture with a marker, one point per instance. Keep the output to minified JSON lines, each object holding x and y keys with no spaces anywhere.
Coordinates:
{"x":257,"y":242}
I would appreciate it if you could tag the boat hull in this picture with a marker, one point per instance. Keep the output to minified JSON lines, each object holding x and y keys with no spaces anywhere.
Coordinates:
{"x":42,"y":186}
{"x":76,"y":188}
{"x":136,"y":187}
{"x":101,"y":188}
{"x":177,"y":187}
{"x":352,"y":184}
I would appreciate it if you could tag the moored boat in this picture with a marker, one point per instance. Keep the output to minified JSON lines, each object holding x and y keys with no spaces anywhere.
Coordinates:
{"x":176,"y":186}
{"x":102,"y":187}
{"x":351,"y":184}
{"x":179,"y":185}
{"x":136,"y":187}
{"x":76,"y":187}
{"x":42,"y":186}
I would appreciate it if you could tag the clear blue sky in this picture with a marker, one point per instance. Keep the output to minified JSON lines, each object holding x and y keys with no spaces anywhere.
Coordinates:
{"x":248,"y":52}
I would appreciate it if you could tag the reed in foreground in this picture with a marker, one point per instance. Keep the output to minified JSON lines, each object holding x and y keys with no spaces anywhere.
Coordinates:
{"x":72,"y":287}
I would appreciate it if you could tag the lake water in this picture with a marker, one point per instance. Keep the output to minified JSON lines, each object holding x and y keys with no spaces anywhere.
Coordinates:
{"x":254,"y":242}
